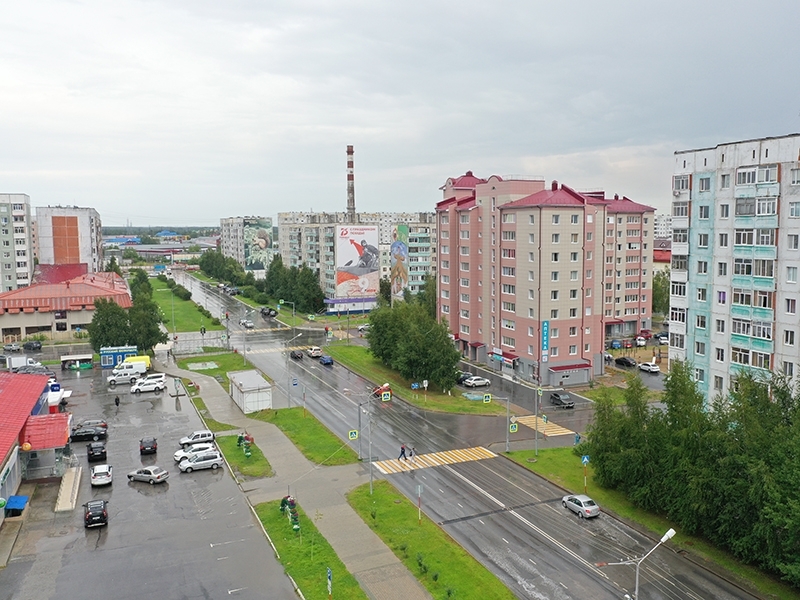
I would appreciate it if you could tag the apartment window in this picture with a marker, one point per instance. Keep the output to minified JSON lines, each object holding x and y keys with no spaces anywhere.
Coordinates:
{"x":573,"y":294}
{"x":722,"y":298}
{"x":699,"y":375}
{"x":746,"y":176}
{"x":791,"y":306}
{"x":795,"y":176}
{"x":765,"y":237}
{"x":554,"y":351}
{"x":722,"y":269}
{"x":678,"y":289}
{"x":680,"y":262}
{"x":743,"y":237}
{"x":573,"y":238}
{"x":445,"y":250}
{"x":701,"y":321}
{"x":723,"y":240}
{"x":464,"y":218}
{"x":701,"y":294}
{"x":465,"y":329}
{"x":794,"y":241}
{"x":573,"y":331}
{"x":573,"y":312}
{"x":745,"y":207}
{"x":762,"y":330}
{"x":609,"y":233}
{"x":678,"y":315}
{"x":720,"y":353}
{"x":788,"y":369}
{"x":589,"y":274}
{"x":573,"y":219}
{"x":700,"y":348}
{"x":509,"y":217}
{"x":554,"y":313}
{"x":760,"y":360}
{"x":718,"y":383}
{"x":464,"y":234}
{"x":509,"y":288}
{"x":573,"y":349}
{"x":720,"y":325}
{"x":556,"y":238}
{"x":680,"y":236}
{"x":573,"y":276}
{"x":445,"y":294}
{"x":555,"y":219}
{"x":740,"y":356}
{"x":766,"y":268}
{"x":509,"y":307}
{"x":702,"y":240}
{"x":702,"y":267}
{"x":705,"y":185}
{"x":794,"y":209}
{"x":445,"y":278}
{"x":510,"y":271}
{"x":768,"y":174}
{"x":589,"y":235}
{"x":767,"y":206}
{"x":464,"y":266}
{"x":743,"y":266}
{"x":464,"y":282}
{"x":677,"y":340}
{"x":465,"y":313}
{"x":445,"y":264}
{"x":554,"y":276}
{"x":554,"y":332}
{"x":680,"y":183}
{"x":531,"y":219}
{"x":573,"y":257}
{"x":554,"y":257}
{"x":742,"y":297}
{"x":763,"y":299}
{"x":553,"y":294}
{"x":725,"y":181}
{"x":725,"y":210}
{"x":788,"y":337}
{"x":445,"y":309}
{"x":509,"y":324}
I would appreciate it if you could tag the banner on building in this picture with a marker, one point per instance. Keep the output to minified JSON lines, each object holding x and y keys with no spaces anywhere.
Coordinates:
{"x":358,"y":261}
{"x":258,"y":252}
{"x":398,"y":256}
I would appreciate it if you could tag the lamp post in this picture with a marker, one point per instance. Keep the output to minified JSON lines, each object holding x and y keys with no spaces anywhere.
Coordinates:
{"x":367,"y":401}
{"x":638,"y":561}
{"x":244,"y":335}
{"x":293,"y":312}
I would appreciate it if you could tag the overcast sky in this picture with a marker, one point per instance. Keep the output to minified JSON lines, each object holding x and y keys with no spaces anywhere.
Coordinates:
{"x":182,"y":112}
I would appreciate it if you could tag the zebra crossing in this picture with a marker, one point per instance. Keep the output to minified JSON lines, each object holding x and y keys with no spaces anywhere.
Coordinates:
{"x":434,"y":459}
{"x":548,"y":428}
{"x":278,"y":349}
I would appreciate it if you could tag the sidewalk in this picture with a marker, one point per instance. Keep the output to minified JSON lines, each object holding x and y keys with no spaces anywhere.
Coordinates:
{"x":320,"y":491}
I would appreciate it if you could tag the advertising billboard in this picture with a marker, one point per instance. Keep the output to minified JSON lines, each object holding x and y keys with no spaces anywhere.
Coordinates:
{"x":358,"y":261}
{"x":398,"y":257}
{"x":257,"y":238}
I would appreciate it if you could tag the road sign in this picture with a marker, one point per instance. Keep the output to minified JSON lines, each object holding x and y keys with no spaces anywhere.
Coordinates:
{"x":487,"y":398}
{"x":544,"y":418}
{"x":294,"y":381}
{"x":386,"y":396}
{"x":585,"y":459}
{"x":281,"y":302}
{"x":202,"y":331}
{"x":513,"y":428}
{"x":513,"y":419}
{"x":330,"y":580}
{"x":425,"y":384}
{"x":224,"y":337}
{"x":540,"y":392}
{"x":353,"y":434}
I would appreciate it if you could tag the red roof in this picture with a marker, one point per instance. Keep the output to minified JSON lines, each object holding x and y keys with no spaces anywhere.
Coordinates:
{"x":565,"y":196}
{"x":570,"y":367}
{"x":46,"y":431}
{"x":662,"y":256}
{"x":18,"y":397}
{"x":76,"y":294}
{"x":465,"y":181}
{"x":59,"y":273}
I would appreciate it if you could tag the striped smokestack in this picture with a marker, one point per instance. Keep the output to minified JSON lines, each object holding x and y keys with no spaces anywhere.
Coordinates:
{"x":351,"y":187}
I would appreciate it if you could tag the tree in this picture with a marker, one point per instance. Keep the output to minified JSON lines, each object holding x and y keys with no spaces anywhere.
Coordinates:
{"x":109,"y":326}
{"x":427,"y":295}
{"x":113,"y":267}
{"x":144,"y":317}
{"x":661,"y":292}
{"x":130,"y":254}
{"x":385,"y":289}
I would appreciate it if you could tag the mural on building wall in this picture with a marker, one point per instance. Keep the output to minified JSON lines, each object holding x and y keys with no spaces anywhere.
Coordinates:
{"x":358,"y":261}
{"x":258,"y":252}
{"x":398,"y":255}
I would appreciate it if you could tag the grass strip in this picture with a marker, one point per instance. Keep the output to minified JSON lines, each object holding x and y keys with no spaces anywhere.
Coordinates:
{"x":563,"y":467}
{"x":226,"y":362}
{"x":441,"y":565}
{"x":255,"y":466}
{"x":306,"y":555}
{"x":360,"y":360}
{"x":211,"y":424}
{"x":186,"y":315}
{"x":317,"y":443}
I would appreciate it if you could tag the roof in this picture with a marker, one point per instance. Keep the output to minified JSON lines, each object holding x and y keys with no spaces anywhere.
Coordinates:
{"x":565,"y":196}
{"x":18,"y":396}
{"x":46,"y":431}
{"x":59,"y":273}
{"x":76,"y":294}
{"x":248,"y":381}
{"x":570,"y":367}
{"x":662,"y":256}
{"x":465,"y":181}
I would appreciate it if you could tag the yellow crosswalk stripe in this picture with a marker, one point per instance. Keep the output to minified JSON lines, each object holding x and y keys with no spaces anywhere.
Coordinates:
{"x":434,"y":459}
{"x":545,"y":428}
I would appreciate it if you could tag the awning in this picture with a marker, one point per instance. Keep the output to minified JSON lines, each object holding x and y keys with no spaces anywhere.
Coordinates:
{"x":16,"y":502}
{"x":614,"y":321}
{"x":570,"y":367}
{"x":476,"y":344}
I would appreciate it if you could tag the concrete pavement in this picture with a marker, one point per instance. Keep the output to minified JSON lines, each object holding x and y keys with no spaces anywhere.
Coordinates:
{"x":319,"y":490}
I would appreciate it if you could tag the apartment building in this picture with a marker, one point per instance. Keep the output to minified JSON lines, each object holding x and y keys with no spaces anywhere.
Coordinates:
{"x":68,"y":235}
{"x":663,"y":226}
{"x":735,"y":258}
{"x":533,"y":279}
{"x":248,"y":240}
{"x":16,"y":266}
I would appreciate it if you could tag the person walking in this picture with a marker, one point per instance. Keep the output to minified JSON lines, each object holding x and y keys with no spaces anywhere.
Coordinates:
{"x":116,"y":401}
{"x":402,"y":452}
{"x":412,"y":454}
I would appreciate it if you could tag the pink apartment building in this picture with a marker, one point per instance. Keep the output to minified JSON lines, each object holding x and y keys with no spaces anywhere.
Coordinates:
{"x":534,"y":280}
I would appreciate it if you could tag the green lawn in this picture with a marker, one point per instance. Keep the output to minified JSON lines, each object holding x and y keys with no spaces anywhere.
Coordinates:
{"x":563,"y":467}
{"x":441,"y":565}
{"x":311,"y":437}
{"x":226,"y":362}
{"x":255,"y":466}
{"x":359,"y":359}
{"x":307,"y":556}
{"x":211,"y":424}
{"x":616,"y":394}
{"x":187,"y":317}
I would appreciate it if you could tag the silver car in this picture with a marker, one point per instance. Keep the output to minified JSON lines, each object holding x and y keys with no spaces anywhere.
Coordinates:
{"x":581,"y":505}
{"x":205,"y":460}
{"x":191,"y":451}
{"x":101,"y":475}
{"x":151,"y":475}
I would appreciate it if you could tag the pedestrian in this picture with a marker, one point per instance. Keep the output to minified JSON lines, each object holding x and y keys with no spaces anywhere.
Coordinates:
{"x":116,"y":401}
{"x":402,"y":452}
{"x":412,"y":454}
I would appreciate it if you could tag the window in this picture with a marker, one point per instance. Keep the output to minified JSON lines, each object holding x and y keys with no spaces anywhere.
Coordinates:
{"x":509,"y":306}
{"x":760,"y":360}
{"x":589,"y":235}
{"x":743,"y":237}
{"x":788,"y":337}
{"x":556,"y":237}
{"x":464,"y":218}
{"x":677,"y":340}
{"x":743,"y":266}
{"x":678,"y":315}
{"x":702,"y":240}
{"x":699,"y":375}
{"x":573,"y":276}
{"x":765,"y":237}
{"x":723,"y":240}
{"x":680,"y":183}
{"x":509,"y":289}
{"x":509,"y":235}
{"x":464,"y":234}
{"x":742,"y":297}
{"x":794,"y":209}
{"x":554,"y":257}
{"x":745,"y":207}
{"x":678,"y":289}
{"x":589,"y":274}
{"x":555,"y":219}
{"x":554,"y":276}
{"x":720,"y":325}
{"x":763,"y":299}
{"x":680,"y":236}
{"x":553,"y":294}
{"x":573,"y":294}
{"x":509,"y":324}
{"x":508,"y":253}
{"x":725,"y":209}
{"x":573,"y":331}
{"x":702,"y":267}
{"x":794,"y":241}
{"x":554,"y":313}
{"x":767,"y":206}
{"x":680,"y":262}
{"x":788,"y":369}
{"x":445,"y":250}
{"x":573,"y":312}
{"x":720,"y":353}
{"x":464,"y":266}
{"x":762,"y":330}
{"x":531,"y":219}
{"x":573,"y":349}
{"x":701,"y":321}
{"x":705,"y":185}
{"x":791,"y":306}
{"x":465,"y":313}
{"x":740,"y":356}
{"x":701,"y":295}
{"x":554,"y":332}
{"x":464,"y":282}
{"x":510,"y":271}
{"x":573,"y":219}
{"x":700,"y":348}
{"x":746,"y":176}
{"x":509,"y":217}
{"x":791,"y":274}
{"x":725,"y":181}
{"x":718,"y":381}
{"x":573,"y":257}
{"x":573,"y":238}
{"x":722,"y":269}
{"x":768,"y":174}
{"x":554,"y":351}
{"x":722,"y":298}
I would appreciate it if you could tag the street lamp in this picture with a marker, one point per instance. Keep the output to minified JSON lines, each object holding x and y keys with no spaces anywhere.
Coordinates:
{"x":244,"y":334}
{"x":293,"y":311}
{"x":638,"y":561}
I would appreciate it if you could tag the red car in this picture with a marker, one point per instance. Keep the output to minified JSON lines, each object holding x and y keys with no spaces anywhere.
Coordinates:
{"x":627,"y":343}
{"x":646,"y":334}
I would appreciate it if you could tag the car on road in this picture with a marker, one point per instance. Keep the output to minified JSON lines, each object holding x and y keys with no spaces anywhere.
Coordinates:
{"x":650,"y":367}
{"x":561,"y":400}
{"x":203,"y":435}
{"x":247,"y":323}
{"x":85,"y":434}
{"x":268,"y":312}
{"x":641,"y":342}
{"x":191,"y":451}
{"x":95,"y":513}
{"x":314,"y":352}
{"x":147,"y":385}
{"x":148,"y":445}
{"x":581,"y":505}
{"x":625,"y":361}
{"x":203,"y":460}
{"x":14,"y":347}
{"x":363,"y":328}
{"x":296,"y":354}
{"x":615,"y":344}
{"x":646,"y":334}
{"x":477,"y":381}
{"x":96,"y":451}
{"x":32,"y":345}
{"x":101,"y":475}
{"x":92,"y":423}
{"x":326,"y":360}
{"x":151,"y":475}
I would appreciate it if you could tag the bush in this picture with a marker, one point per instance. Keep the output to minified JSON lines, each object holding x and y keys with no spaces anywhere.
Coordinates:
{"x":182,"y":293}
{"x":215,"y":321}
{"x":249,"y":291}
{"x":163,"y":278}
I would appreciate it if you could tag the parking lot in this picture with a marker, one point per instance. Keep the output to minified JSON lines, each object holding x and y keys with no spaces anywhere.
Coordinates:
{"x":193,"y":536}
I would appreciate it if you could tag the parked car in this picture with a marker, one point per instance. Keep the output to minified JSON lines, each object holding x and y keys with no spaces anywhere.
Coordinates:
{"x":463,"y":376}
{"x":646,"y":334}
{"x":96,"y":451}
{"x":151,"y":475}
{"x":189,"y":452}
{"x":32,"y":345}
{"x":561,"y":400}
{"x":95,"y":513}
{"x":326,"y":360}
{"x":101,"y":475}
{"x":608,"y":357}
{"x":84,"y":434}
{"x":147,"y":385}
{"x":363,"y":328}
{"x":641,"y":342}
{"x":296,"y":354}
{"x":664,"y":341}
{"x":204,"y":435}
{"x":148,"y":445}
{"x":625,"y":361}
{"x":13,"y":347}
{"x":627,"y":343}
{"x":161,"y":377}
{"x":616,"y":344}
{"x":204,"y":460}
{"x":477,"y":382}
{"x":650,"y":367}
{"x":581,"y":505}
{"x":92,"y":423}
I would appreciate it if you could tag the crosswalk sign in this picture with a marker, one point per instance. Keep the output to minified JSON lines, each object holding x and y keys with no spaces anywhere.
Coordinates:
{"x":386,"y":396}
{"x":487,"y":398}
{"x":513,"y":428}
{"x":353,"y":434}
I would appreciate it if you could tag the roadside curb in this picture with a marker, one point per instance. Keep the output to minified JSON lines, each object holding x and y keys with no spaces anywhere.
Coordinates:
{"x":68,"y":491}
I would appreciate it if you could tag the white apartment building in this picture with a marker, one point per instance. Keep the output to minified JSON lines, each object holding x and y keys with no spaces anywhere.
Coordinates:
{"x":735,"y":259}
{"x":663,"y":226}
{"x":248,"y":240}
{"x":16,"y":262}
{"x":67,"y":235}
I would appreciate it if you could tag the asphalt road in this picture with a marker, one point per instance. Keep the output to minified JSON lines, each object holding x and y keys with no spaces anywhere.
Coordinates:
{"x":191,"y":537}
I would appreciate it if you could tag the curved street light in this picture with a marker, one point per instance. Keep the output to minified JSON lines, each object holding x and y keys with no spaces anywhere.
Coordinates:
{"x":638,"y":561}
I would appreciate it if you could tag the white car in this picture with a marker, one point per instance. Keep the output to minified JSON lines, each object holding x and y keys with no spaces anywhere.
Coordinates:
{"x":363,"y":328}
{"x":650,"y":367}
{"x":148,"y":385}
{"x":477,"y":382}
{"x":182,"y":455}
{"x":101,"y":475}
{"x":640,"y":342}
{"x":664,"y":341}
{"x":205,"y":460}
{"x":247,"y":323}
{"x":204,"y":435}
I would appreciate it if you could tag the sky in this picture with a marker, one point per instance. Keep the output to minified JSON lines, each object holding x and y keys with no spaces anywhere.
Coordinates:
{"x":183,"y":112}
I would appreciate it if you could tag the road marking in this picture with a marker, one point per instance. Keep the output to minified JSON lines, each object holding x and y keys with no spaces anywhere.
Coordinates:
{"x":223,"y":558}
{"x":236,"y":590}
{"x":434,"y":459}
{"x":225,"y":543}
{"x":548,"y":428}
{"x":505,"y":540}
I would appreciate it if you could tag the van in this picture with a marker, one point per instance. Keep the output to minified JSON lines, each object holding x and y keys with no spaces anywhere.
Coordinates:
{"x":141,"y":359}
{"x":315,"y":352}
{"x":126,"y":373}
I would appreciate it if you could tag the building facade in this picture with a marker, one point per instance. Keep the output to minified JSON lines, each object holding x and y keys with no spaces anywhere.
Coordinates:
{"x":16,"y":264}
{"x":663,"y":226}
{"x":735,"y":257}
{"x":533,"y":279}
{"x":68,"y":235}
{"x":249,"y":241}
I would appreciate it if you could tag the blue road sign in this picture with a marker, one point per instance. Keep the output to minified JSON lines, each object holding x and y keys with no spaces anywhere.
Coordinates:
{"x":294,"y":381}
{"x":585,"y":459}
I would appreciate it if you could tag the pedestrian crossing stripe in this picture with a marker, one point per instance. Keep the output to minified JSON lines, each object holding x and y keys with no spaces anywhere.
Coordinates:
{"x":278,"y":349}
{"x":548,"y":428}
{"x":434,"y":459}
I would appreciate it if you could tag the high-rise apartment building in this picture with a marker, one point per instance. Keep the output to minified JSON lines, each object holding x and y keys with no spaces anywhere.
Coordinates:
{"x":735,"y":258}
{"x":534,"y":278}
{"x":663,"y":226}
{"x":69,"y":235}
{"x":248,"y":240}
{"x":16,"y":261}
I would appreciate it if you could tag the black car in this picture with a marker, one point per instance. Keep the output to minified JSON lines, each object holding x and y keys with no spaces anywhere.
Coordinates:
{"x":625,"y":361}
{"x":296,"y":354}
{"x":95,"y":513}
{"x":92,"y":423}
{"x":32,"y":345}
{"x":96,"y":451}
{"x":85,"y":434}
{"x":148,"y":445}
{"x":561,"y":400}
{"x":463,"y":376}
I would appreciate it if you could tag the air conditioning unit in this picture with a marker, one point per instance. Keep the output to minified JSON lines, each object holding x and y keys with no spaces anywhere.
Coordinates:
{"x":676,"y":193}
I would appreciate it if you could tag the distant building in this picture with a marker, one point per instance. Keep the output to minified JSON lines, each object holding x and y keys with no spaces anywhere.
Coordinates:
{"x":663,"y":226}
{"x":662,"y":254}
{"x":16,"y":263}
{"x":248,"y":240}
{"x":69,"y":235}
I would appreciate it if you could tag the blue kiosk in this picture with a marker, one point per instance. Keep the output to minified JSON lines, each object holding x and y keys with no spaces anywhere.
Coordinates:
{"x":111,"y":356}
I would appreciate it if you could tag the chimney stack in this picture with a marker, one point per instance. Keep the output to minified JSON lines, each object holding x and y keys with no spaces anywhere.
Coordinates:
{"x":351,"y":188}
